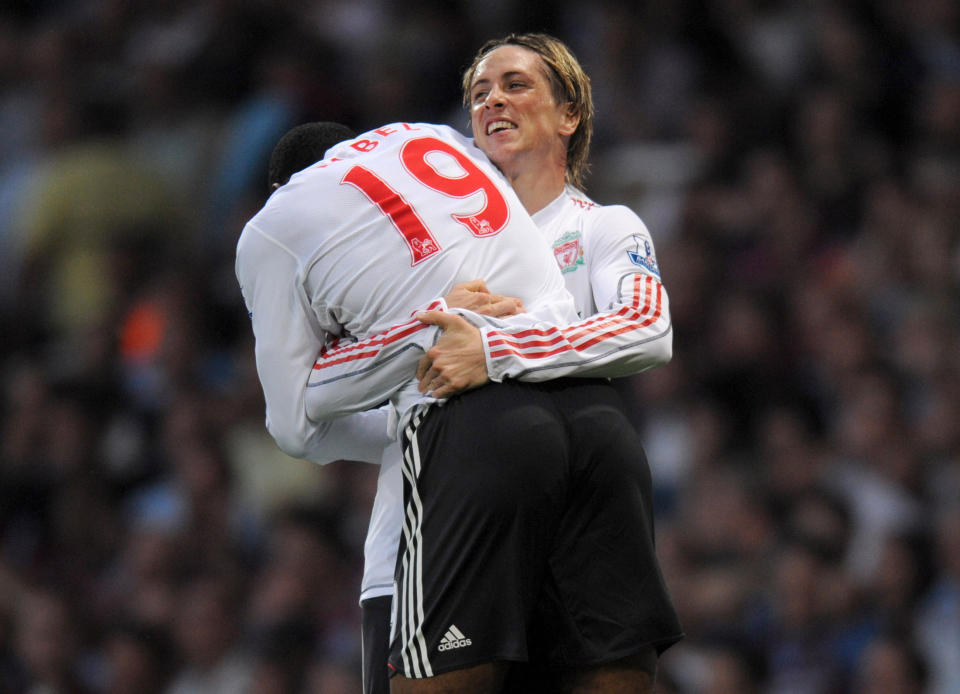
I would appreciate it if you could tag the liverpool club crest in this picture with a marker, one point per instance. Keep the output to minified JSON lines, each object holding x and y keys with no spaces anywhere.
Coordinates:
{"x":568,"y":251}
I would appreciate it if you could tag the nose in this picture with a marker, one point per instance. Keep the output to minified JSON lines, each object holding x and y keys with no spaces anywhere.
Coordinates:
{"x":495,"y":98}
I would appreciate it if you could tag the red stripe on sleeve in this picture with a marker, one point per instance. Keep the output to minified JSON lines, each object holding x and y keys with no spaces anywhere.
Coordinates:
{"x":338,"y":356}
{"x":598,"y":329}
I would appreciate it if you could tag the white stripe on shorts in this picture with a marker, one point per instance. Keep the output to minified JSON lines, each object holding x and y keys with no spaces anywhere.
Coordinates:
{"x":416,"y":659}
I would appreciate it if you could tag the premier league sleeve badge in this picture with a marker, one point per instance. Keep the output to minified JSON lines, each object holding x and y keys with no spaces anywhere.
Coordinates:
{"x":642,"y":255}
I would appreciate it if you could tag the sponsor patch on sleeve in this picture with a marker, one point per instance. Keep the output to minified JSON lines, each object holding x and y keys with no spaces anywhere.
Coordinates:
{"x":643,"y":256}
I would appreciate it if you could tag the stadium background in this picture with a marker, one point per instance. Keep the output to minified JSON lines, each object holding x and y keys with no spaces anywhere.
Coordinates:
{"x":799,"y":165}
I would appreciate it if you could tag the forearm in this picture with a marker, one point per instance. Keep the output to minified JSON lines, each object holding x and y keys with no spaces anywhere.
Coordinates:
{"x":359,"y":437}
{"x":356,"y":376}
{"x":310,"y":379}
{"x":633,"y":335}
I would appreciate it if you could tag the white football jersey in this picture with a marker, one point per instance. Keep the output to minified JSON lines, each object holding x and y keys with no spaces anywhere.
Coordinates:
{"x":335,"y":264}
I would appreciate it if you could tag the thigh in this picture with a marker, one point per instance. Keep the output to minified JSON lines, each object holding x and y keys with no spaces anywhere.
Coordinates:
{"x":634,"y":674}
{"x":605,"y":597}
{"x":486,"y":678}
{"x":375,"y":632}
{"x":484,"y":486}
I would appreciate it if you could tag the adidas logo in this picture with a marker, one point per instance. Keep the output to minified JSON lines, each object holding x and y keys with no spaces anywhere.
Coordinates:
{"x":454,"y":638}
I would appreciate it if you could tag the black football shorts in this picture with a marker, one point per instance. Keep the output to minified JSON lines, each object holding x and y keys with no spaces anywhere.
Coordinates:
{"x":528,"y":532}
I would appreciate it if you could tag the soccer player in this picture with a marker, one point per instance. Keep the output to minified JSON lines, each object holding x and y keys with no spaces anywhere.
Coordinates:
{"x":363,"y":436}
{"x":531,"y":113}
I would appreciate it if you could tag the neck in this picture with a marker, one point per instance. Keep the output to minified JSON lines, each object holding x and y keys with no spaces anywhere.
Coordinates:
{"x":537,"y":187}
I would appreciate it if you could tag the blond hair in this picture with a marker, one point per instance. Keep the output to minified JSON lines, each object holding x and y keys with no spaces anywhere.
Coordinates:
{"x":570,"y":85}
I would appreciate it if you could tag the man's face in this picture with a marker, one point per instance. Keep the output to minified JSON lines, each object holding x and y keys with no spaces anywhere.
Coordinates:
{"x":515,"y":119}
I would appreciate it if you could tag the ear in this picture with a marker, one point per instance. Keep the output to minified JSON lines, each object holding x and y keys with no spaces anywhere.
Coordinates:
{"x":570,"y":120}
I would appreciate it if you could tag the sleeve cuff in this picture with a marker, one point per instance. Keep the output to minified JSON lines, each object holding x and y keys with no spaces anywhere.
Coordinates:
{"x":492,"y":372}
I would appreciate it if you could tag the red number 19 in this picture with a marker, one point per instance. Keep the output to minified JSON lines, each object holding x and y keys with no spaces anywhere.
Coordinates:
{"x":488,"y":221}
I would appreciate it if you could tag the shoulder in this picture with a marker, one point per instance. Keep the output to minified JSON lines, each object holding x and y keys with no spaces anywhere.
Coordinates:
{"x":620,"y":214}
{"x":592,"y":211}
{"x":577,"y":200}
{"x":608,"y":220}
{"x":254,"y":249}
{"x":446,"y":132}
{"x":616,"y":231}
{"x":277,"y":226}
{"x":273,"y":217}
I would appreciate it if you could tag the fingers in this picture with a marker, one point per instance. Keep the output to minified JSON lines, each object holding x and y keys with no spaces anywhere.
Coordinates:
{"x":439,"y":387}
{"x":467,"y":294}
{"x":430,"y":381}
{"x":503,"y":306}
{"x":477,"y":285}
{"x":498,"y":306}
{"x":439,"y":318}
{"x":434,"y":384}
{"x":423,"y":366}
{"x":444,"y":391}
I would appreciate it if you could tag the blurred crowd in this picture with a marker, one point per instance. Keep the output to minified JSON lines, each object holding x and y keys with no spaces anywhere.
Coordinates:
{"x":798,"y":163}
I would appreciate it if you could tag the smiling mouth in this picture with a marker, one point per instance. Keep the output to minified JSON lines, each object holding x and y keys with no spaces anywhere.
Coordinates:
{"x":498,"y":126}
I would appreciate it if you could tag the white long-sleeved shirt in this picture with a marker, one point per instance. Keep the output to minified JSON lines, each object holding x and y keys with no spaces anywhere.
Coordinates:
{"x":338,"y":260}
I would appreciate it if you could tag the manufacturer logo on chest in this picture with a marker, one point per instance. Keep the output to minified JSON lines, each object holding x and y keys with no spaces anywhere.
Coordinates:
{"x":568,"y":251}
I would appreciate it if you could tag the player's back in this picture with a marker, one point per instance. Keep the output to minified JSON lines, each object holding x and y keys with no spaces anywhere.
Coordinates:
{"x":394,"y":218}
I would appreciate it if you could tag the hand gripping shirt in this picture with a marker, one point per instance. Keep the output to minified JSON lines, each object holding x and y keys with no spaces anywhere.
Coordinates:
{"x":337,"y":262}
